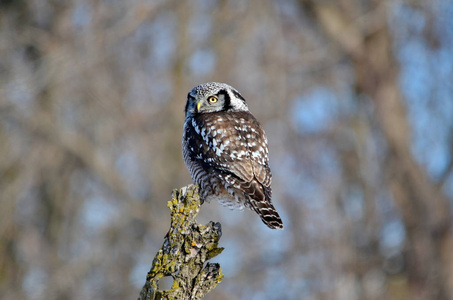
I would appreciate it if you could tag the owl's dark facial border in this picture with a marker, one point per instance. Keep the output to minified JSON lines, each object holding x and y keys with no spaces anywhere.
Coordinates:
{"x":226,"y":99}
{"x":239,"y":96}
{"x":190,"y":102}
{"x":231,"y":104}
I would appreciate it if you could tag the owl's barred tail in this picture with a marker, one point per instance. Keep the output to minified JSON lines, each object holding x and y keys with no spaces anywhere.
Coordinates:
{"x":268,"y":214}
{"x":260,"y":202}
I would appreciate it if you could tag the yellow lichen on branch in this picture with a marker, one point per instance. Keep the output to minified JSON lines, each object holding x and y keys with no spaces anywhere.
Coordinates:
{"x":186,"y":248}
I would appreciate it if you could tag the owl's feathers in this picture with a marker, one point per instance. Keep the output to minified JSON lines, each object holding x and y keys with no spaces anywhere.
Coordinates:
{"x":225,"y":149}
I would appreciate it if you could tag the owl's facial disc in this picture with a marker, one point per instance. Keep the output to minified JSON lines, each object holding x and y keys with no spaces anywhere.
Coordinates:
{"x":214,"y":97}
{"x":210,"y":103}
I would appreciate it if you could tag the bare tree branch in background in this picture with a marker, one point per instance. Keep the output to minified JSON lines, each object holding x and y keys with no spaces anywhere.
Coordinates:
{"x":425,"y":210}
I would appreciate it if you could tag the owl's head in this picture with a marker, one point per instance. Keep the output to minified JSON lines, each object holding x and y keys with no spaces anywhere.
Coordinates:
{"x":214,"y":97}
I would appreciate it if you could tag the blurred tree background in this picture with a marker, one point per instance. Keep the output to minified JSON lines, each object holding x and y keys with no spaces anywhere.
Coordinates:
{"x":357,"y":101}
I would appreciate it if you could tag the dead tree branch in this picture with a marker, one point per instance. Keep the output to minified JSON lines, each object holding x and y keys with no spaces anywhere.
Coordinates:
{"x":187,"y":246}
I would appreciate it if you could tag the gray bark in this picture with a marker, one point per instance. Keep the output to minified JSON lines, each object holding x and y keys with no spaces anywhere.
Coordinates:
{"x":186,"y":248}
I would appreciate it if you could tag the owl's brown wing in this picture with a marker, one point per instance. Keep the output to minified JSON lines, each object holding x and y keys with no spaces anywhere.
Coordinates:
{"x":233,"y":143}
{"x":233,"y":147}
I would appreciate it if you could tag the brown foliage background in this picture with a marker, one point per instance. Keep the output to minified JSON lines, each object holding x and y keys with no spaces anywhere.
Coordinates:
{"x":356,"y":98}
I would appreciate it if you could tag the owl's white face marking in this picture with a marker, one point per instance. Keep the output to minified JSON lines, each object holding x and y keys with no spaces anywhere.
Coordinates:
{"x":225,"y":150}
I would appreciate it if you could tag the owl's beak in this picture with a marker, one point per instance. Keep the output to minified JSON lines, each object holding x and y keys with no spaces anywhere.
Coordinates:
{"x":198,"y":106}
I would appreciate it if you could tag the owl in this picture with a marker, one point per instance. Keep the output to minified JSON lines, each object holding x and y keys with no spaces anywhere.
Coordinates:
{"x":225,"y":150}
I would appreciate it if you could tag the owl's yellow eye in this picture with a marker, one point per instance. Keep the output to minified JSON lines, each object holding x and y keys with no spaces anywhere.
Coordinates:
{"x":212,"y":99}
